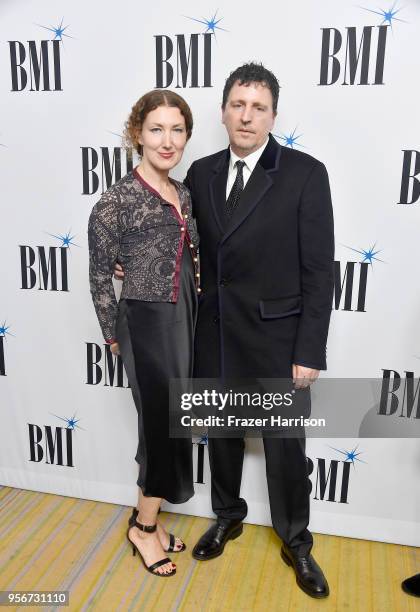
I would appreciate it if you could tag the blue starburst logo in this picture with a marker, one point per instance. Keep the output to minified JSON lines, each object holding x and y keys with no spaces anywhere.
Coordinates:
{"x":131,"y":151}
{"x":369,"y":255}
{"x":290,"y":140}
{"x":388,"y":16}
{"x":350,"y":456}
{"x":71,"y":422}
{"x":115,"y":134}
{"x":66,"y":239}
{"x":210,"y":24}
{"x":4,"y":330}
{"x":58,"y":31}
{"x":204,"y":440}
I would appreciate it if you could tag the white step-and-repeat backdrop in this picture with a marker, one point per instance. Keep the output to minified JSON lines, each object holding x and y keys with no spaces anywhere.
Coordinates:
{"x":69,"y":74}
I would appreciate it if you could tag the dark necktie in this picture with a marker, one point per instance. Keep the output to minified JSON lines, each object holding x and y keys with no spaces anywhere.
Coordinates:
{"x":237,"y":189}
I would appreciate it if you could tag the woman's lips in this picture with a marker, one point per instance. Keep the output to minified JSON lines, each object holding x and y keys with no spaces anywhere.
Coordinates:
{"x":166,"y":155}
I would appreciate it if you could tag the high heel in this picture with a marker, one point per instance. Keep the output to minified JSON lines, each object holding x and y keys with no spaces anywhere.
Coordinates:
{"x":154,"y":566}
{"x":172,"y":541}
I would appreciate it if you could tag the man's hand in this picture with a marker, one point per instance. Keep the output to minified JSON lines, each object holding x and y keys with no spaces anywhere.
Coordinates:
{"x":303,"y":377}
{"x":118,"y":272}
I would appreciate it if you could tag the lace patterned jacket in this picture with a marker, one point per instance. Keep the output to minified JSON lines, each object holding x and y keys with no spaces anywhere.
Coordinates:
{"x":134,"y":225}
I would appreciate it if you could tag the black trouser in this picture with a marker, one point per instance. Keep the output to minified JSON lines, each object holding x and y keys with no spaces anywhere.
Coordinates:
{"x":287,"y":479}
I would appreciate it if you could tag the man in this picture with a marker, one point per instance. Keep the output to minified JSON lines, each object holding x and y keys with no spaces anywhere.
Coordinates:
{"x":265,"y":221}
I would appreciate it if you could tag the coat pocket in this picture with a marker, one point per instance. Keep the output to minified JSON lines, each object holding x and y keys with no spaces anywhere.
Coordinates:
{"x":281,"y":307}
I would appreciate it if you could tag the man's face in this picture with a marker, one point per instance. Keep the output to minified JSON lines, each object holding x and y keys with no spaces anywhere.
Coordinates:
{"x":248,"y":117}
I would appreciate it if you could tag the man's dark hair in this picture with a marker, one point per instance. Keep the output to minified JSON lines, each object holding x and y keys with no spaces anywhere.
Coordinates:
{"x":252,"y":73}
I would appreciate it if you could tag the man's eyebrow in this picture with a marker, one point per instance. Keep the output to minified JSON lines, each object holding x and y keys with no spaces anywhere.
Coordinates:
{"x":240,"y":101}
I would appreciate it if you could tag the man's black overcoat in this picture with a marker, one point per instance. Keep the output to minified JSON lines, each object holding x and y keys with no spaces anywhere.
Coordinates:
{"x":267,"y":273}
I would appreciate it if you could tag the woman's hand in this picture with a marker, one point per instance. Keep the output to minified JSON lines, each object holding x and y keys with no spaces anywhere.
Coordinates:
{"x":115,"y":348}
{"x":118,"y":272}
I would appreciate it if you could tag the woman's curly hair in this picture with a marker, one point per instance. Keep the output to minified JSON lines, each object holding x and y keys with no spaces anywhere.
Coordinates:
{"x":149,"y":102}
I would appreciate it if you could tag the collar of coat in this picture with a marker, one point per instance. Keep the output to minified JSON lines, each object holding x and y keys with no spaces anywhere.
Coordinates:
{"x":269,"y":159}
{"x":257,"y":186}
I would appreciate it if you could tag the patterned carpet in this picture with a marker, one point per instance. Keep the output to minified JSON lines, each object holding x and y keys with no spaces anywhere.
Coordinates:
{"x":50,"y":542}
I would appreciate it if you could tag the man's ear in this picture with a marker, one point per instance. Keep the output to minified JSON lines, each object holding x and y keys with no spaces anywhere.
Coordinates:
{"x":274,"y":119}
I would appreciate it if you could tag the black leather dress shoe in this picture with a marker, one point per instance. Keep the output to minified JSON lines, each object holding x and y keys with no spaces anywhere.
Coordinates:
{"x":309,"y":576}
{"x":412,"y":585}
{"x":213,"y":542}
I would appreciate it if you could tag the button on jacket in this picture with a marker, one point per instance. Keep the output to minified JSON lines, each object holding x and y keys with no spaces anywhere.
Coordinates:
{"x":134,"y":225}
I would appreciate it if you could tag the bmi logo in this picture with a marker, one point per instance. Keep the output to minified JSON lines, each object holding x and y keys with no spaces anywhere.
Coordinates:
{"x":104,"y":166}
{"x":35,"y":65}
{"x":4,"y":331}
{"x":350,"y":281}
{"x":399,"y":396}
{"x":46,"y":267}
{"x":185,"y":60}
{"x":104,"y":367}
{"x":356,"y":55}
{"x":52,"y":445}
{"x":410,"y":184}
{"x":333,"y":476}
{"x":290,"y":139}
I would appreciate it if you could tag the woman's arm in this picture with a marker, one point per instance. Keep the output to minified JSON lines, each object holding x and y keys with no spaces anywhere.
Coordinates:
{"x":104,"y":234}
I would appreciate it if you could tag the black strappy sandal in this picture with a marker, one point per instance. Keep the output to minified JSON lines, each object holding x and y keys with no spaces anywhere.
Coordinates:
{"x":154,"y":566}
{"x":172,"y":541}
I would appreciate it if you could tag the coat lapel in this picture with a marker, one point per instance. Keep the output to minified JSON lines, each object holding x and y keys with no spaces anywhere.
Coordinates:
{"x":257,"y":186}
{"x":217,"y":187}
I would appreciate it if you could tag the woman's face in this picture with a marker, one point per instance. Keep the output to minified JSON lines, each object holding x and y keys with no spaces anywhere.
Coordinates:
{"x":163,"y":137}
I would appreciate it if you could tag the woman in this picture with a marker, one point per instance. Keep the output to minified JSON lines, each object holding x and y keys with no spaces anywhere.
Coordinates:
{"x":144,"y":221}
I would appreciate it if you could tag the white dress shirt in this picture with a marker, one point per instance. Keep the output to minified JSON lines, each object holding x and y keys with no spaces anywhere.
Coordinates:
{"x":250,"y":163}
